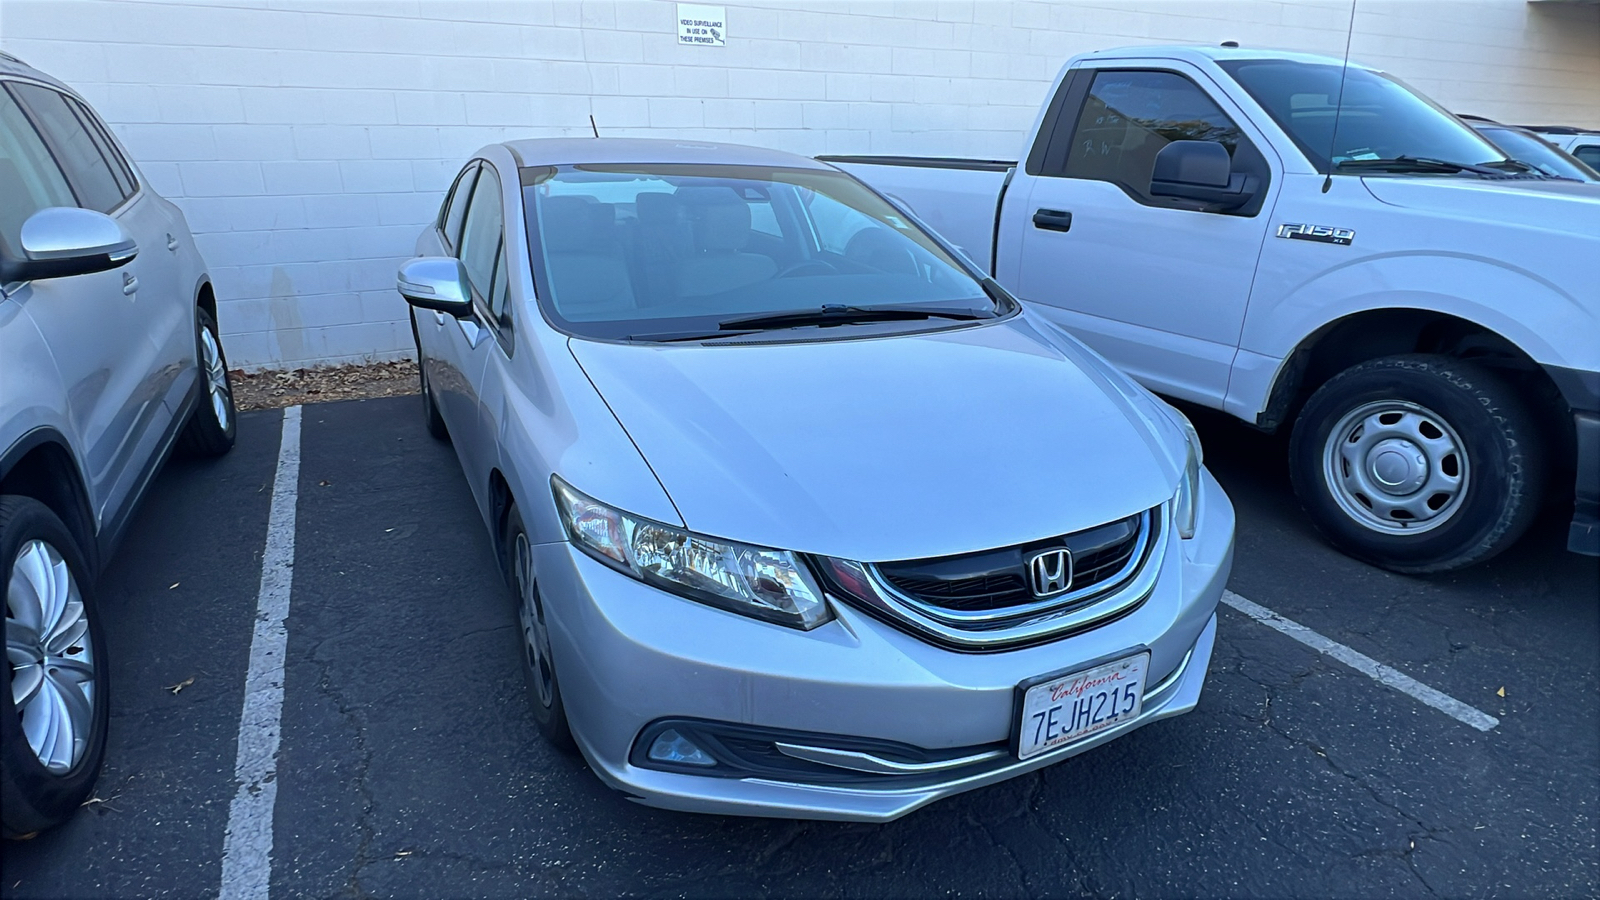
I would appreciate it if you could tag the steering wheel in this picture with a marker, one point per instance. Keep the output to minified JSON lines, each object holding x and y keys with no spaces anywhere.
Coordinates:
{"x":824,"y":268}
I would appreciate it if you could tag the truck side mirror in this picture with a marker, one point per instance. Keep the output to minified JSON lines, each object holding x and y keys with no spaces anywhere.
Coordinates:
{"x":1203,"y":171}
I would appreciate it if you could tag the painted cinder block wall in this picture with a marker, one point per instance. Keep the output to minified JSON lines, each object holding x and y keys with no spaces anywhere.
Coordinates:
{"x":308,"y":141}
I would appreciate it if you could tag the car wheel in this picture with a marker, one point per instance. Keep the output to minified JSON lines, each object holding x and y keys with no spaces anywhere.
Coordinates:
{"x":430,"y":408}
{"x":53,"y":704}
{"x":1418,"y":463}
{"x":212,"y":426}
{"x":538,"y":665}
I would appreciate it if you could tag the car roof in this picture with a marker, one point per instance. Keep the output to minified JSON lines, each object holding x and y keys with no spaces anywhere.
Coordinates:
{"x":578,"y":151}
{"x":12,"y":67}
{"x":1196,"y":53}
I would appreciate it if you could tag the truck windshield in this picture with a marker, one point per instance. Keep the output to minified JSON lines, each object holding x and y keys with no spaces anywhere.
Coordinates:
{"x":1381,"y":118}
{"x":680,"y":252}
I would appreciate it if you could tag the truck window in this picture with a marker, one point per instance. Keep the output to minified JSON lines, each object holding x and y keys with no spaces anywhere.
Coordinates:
{"x":1128,"y":116}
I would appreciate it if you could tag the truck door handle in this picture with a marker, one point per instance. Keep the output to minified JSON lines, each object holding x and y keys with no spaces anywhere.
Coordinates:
{"x":172,"y":243}
{"x":1053,"y":220}
{"x":129,"y":284}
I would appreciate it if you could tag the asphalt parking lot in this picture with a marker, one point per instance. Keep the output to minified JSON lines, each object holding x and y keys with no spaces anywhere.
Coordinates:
{"x":409,"y":764}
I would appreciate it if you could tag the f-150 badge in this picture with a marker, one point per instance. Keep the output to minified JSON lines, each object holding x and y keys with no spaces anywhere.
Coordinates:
{"x":1325,"y":234}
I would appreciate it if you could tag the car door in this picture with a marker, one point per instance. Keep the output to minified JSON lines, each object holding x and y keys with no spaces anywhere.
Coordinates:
{"x":472,"y":341}
{"x":1157,"y":285}
{"x":92,"y":324}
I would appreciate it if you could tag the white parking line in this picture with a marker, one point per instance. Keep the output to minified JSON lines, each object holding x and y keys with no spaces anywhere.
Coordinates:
{"x":1364,"y":664}
{"x":247,"y":846}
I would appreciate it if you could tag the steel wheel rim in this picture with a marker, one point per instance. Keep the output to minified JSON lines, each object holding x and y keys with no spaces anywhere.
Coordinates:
{"x":535,"y":634}
{"x":52,"y":662}
{"x":216,"y":378}
{"x":1396,"y":467}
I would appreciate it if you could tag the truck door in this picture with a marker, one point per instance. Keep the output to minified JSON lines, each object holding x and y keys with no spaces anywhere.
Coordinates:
{"x":1159,"y":286}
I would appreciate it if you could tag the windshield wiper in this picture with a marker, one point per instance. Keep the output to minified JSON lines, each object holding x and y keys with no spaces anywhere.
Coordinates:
{"x":837,"y":314}
{"x":1419,"y":164}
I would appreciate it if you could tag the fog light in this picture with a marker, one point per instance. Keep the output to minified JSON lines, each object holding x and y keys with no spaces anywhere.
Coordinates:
{"x":672,"y":747}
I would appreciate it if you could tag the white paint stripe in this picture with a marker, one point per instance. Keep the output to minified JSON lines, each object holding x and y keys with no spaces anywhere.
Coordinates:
{"x":247,"y":846}
{"x":1364,"y":664}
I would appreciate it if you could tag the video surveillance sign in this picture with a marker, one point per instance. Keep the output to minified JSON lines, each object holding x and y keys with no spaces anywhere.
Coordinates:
{"x":704,"y":25}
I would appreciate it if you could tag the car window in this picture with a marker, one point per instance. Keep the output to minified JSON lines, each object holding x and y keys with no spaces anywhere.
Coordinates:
{"x":1589,"y":154}
{"x":1129,"y":116}
{"x":640,"y":250}
{"x":481,"y":242}
{"x":455,"y":208}
{"x":29,"y":178}
{"x":78,"y":149}
{"x":1527,"y":147}
{"x":108,"y":147}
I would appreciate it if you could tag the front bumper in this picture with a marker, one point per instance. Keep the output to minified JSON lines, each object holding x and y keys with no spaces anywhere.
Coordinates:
{"x":628,"y":655}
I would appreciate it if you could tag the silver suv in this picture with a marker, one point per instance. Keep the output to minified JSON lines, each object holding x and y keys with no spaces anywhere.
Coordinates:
{"x":109,"y":358}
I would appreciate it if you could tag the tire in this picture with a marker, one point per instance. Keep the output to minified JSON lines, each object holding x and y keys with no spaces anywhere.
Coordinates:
{"x":35,"y":794}
{"x":1418,"y":463}
{"x":214,"y":423}
{"x":430,"y":408}
{"x":538,"y":665}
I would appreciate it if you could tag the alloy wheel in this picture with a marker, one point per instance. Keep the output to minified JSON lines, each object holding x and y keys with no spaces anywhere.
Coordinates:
{"x":535,"y":633}
{"x":216,"y":378}
{"x":52,"y":662}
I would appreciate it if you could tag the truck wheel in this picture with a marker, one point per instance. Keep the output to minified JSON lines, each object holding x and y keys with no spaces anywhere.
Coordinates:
{"x":53,"y":700}
{"x":1418,"y":463}
{"x":212,"y":426}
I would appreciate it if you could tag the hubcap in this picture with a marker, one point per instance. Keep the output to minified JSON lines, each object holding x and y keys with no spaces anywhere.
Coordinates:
{"x":1396,"y":467}
{"x":216,"y":378}
{"x":52,"y":664}
{"x":535,"y":634}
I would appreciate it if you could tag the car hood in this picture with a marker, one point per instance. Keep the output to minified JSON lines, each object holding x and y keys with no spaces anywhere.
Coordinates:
{"x":1555,"y":205}
{"x":890,"y":448}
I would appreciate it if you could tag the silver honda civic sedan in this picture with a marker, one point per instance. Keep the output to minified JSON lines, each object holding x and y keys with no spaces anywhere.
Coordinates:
{"x":803,"y":514}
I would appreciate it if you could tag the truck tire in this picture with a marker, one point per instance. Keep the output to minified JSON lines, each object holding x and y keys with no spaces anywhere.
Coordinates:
{"x":1418,"y":463}
{"x":53,"y":730}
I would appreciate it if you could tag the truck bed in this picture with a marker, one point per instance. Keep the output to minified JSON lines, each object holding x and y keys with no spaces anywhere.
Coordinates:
{"x":958,"y":198}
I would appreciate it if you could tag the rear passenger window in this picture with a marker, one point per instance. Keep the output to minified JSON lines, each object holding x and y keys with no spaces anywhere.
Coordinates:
{"x":1129,"y":116}
{"x":80,"y":151}
{"x":29,"y":178}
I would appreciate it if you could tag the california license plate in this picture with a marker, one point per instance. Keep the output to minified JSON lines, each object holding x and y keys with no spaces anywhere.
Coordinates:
{"x":1059,"y":710}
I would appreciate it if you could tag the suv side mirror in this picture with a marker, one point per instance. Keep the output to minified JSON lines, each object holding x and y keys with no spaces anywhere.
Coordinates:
{"x":438,"y":283}
{"x":1203,"y":171}
{"x":62,"y":241}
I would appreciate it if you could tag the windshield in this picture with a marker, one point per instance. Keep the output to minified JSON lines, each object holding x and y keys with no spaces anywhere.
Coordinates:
{"x":1381,"y":117}
{"x":1526,"y":147}
{"x":671,"y":251}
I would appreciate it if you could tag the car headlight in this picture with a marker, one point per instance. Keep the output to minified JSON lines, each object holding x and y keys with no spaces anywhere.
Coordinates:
{"x":753,"y":581}
{"x":1186,"y":504}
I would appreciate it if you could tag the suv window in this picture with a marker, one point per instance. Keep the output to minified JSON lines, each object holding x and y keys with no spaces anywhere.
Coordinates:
{"x":1129,"y":115}
{"x":455,"y":208}
{"x":80,"y":149}
{"x":483,"y":245}
{"x":29,"y":178}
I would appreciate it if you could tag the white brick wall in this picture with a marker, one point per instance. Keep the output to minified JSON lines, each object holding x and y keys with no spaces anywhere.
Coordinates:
{"x":309,"y":140}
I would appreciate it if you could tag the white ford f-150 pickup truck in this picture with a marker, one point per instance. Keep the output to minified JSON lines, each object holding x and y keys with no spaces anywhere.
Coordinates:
{"x":1418,"y":309}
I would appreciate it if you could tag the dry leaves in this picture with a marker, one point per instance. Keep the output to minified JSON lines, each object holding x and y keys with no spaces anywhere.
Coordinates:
{"x":176,"y":688}
{"x":275,"y":389}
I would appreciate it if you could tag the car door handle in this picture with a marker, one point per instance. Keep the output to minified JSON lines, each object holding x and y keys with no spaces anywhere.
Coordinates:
{"x":129,"y":283}
{"x":1053,"y":220}
{"x":172,"y":243}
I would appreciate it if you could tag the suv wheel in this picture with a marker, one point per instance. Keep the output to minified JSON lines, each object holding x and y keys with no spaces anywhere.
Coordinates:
{"x":212,"y":427}
{"x":1417,"y":463}
{"x":53,"y":703}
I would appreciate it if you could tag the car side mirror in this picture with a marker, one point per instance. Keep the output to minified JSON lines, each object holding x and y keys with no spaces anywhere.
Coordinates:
{"x":62,"y":241}
{"x":1203,"y":171}
{"x":438,"y":283}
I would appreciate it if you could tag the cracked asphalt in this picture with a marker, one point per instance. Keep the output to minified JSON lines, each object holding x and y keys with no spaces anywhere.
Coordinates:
{"x":410,"y":766}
